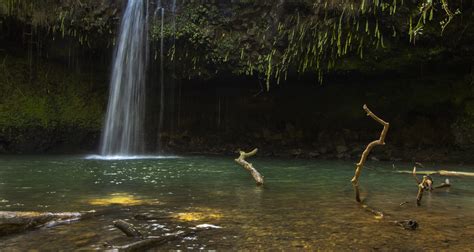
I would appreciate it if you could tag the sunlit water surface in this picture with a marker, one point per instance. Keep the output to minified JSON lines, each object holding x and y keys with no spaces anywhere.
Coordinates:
{"x":305,"y":204}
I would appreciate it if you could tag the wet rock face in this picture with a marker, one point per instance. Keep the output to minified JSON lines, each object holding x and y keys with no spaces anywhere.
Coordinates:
{"x":327,"y":121}
{"x":59,"y":140}
{"x":462,"y":131}
{"x":47,"y":110}
{"x":463,"y":127}
{"x":340,"y":149}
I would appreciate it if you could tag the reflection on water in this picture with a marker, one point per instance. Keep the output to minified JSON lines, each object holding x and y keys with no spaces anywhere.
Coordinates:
{"x":123,"y":199}
{"x":304,"y":204}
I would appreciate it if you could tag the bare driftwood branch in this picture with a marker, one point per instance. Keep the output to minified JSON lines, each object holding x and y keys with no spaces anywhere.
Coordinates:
{"x":248,"y":166}
{"x":421,"y":188}
{"x":365,"y":154}
{"x":379,"y":215}
{"x":442,"y":173}
{"x":16,"y":222}
{"x":127,"y":228}
{"x":414,"y":173}
{"x":406,"y":224}
{"x":443,"y":185}
{"x":425,"y":184}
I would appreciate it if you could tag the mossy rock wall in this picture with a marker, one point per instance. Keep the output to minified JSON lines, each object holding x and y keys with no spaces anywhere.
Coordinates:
{"x":52,"y":108}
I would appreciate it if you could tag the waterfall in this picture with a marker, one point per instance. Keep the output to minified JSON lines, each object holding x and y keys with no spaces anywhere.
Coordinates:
{"x":162,"y":81}
{"x":123,"y":133}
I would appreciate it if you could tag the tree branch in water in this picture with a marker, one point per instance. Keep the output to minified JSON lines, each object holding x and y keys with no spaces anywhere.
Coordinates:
{"x":365,"y":154}
{"x":426,"y":184}
{"x":248,"y":166}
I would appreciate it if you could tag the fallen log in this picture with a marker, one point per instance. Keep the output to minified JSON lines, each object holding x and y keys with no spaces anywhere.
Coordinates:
{"x":153,"y":242}
{"x":249,"y":167}
{"x":127,"y":228}
{"x":365,"y":154}
{"x":17,"y":222}
{"x":441,"y":173}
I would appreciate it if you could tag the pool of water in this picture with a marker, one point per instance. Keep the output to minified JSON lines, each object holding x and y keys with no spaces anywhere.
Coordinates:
{"x":304,"y":204}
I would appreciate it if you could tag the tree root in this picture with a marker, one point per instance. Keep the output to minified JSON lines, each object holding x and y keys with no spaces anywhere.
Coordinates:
{"x":249,"y":167}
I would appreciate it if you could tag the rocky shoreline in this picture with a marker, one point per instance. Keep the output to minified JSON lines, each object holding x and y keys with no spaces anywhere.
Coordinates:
{"x":350,"y":151}
{"x":431,"y":156}
{"x":331,"y":146}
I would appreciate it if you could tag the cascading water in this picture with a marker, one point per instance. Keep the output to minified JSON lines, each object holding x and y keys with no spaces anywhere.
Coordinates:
{"x":166,"y":88}
{"x":123,"y":133}
{"x":162,"y":81}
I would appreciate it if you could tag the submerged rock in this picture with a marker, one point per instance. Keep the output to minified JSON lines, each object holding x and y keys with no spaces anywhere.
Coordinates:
{"x":314,"y":154}
{"x":208,"y":226}
{"x":17,"y":222}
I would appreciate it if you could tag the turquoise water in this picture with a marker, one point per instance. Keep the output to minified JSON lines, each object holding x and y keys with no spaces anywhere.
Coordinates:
{"x":304,"y":204}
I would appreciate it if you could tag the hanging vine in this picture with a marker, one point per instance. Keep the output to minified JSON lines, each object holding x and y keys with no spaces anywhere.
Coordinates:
{"x":301,"y":36}
{"x":265,"y":39}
